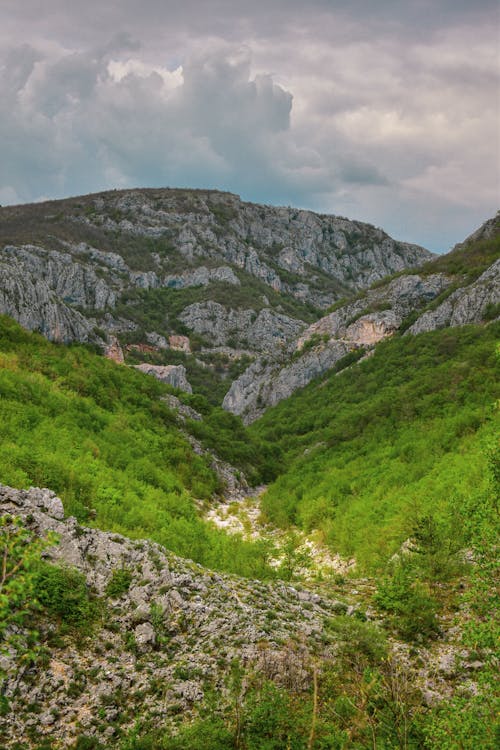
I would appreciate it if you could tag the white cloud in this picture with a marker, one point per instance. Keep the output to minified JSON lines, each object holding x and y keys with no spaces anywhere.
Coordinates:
{"x":381,"y":116}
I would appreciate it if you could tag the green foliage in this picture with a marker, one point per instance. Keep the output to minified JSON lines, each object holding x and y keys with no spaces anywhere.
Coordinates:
{"x":64,"y":595}
{"x":119,"y":583}
{"x":410,"y":602}
{"x":159,"y":309}
{"x":204,"y":734}
{"x":398,"y":438}
{"x":86,"y":742}
{"x":294,"y":557}
{"x":468,"y":260}
{"x":270,"y":722}
{"x":464,"y":723}
{"x":20,"y":551}
{"x":470,"y":719}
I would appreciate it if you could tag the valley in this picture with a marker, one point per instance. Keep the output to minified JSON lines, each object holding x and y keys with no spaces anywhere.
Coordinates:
{"x":268,"y":442}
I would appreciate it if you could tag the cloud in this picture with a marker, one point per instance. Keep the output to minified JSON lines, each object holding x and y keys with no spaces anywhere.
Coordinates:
{"x":383,"y":112}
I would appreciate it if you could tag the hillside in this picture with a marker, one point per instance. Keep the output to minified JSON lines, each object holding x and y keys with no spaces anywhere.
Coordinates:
{"x":121,"y":448}
{"x":452,"y":290}
{"x":399,"y":437}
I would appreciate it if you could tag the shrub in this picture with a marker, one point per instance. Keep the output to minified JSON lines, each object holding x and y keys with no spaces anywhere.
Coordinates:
{"x":64,"y":594}
{"x":119,"y":583}
{"x":410,"y":603}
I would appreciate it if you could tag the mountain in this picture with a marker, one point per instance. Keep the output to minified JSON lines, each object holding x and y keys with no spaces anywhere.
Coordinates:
{"x":167,"y":273}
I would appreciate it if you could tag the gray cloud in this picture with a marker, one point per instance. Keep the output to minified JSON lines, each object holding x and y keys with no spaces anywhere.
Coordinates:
{"x":385,"y":112}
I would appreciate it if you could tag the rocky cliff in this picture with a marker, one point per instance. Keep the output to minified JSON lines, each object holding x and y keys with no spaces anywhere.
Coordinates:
{"x":138,"y":271}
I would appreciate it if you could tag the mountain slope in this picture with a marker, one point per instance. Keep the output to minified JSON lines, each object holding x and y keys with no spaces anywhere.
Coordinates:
{"x":399,"y":436}
{"x":120,"y":448}
{"x":142,"y":268}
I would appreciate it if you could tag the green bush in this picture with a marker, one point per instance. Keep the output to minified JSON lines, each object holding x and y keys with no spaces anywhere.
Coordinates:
{"x":119,"y":583}
{"x":204,"y":734}
{"x":409,"y":601}
{"x":64,"y":595}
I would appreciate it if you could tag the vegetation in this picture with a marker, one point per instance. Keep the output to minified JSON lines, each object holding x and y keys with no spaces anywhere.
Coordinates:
{"x":102,"y":438}
{"x":63,"y":594}
{"x":20,"y":551}
{"x":210,"y":374}
{"x":372,"y":451}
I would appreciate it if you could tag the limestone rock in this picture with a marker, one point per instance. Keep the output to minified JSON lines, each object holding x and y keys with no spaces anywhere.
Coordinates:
{"x":144,"y":635}
{"x":174,"y":375}
{"x":371,"y":328}
{"x":401,"y":296}
{"x":465,"y":305}
{"x":221,"y":326}
{"x":155,"y":339}
{"x":207,"y":620}
{"x":201,"y":276}
{"x":179,"y":343}
{"x":114,"y":351}
{"x":263,"y":385}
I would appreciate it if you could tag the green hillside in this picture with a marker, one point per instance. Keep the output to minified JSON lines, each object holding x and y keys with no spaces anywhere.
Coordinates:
{"x":398,"y":438}
{"x":101,"y":437}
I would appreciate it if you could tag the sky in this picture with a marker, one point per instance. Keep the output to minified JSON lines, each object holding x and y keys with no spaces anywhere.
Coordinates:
{"x":386,"y":111}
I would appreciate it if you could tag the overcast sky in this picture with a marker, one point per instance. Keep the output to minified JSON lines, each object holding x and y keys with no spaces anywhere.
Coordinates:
{"x":385,"y":111}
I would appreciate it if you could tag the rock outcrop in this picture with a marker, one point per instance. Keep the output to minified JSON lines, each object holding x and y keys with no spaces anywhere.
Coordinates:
{"x":401,"y":296}
{"x":360,"y":323}
{"x":263,"y":385}
{"x":139,"y":242}
{"x":220,"y":326}
{"x":174,"y":375}
{"x":467,"y":304}
{"x":363,"y":322}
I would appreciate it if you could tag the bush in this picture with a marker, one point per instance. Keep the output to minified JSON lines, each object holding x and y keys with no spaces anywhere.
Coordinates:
{"x":410,"y":603}
{"x":206,"y":734}
{"x":64,"y":595}
{"x":119,"y":583}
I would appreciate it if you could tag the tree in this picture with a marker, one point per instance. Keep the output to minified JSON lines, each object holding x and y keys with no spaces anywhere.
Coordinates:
{"x":20,"y":552}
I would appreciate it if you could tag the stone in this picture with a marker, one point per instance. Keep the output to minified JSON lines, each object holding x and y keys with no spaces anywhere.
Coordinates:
{"x":174,"y":375}
{"x":114,"y":351}
{"x":179,"y":343}
{"x":145,"y":637}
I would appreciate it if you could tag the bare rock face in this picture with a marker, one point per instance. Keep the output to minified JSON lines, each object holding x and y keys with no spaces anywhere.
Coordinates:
{"x":465,"y":305}
{"x":400,"y":296}
{"x":353,"y":325}
{"x":114,"y":351}
{"x":179,"y":343}
{"x":65,"y":287}
{"x":372,"y":328}
{"x":202,"y":276}
{"x":263,"y":385}
{"x":222,"y":326}
{"x":174,"y":375}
